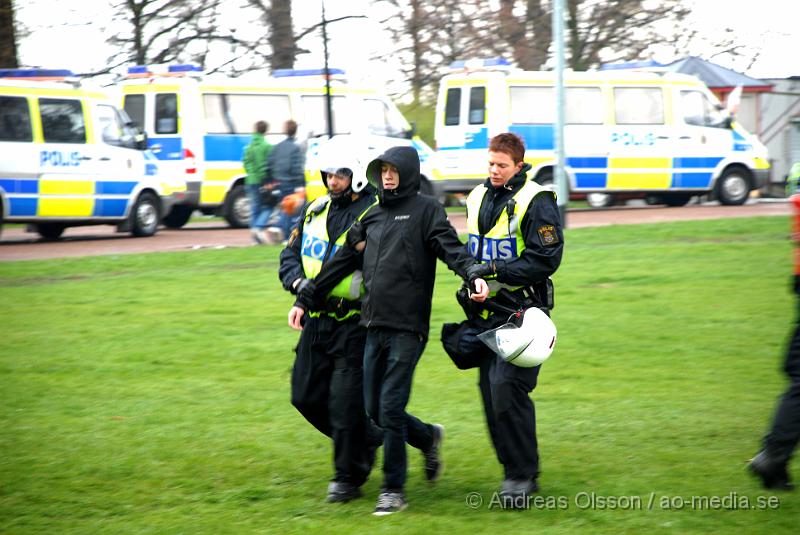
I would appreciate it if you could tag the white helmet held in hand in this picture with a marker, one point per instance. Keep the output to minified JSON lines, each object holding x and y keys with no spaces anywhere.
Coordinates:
{"x":525,"y":346}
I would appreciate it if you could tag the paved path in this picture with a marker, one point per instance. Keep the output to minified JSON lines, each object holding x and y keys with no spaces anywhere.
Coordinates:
{"x":16,"y":244}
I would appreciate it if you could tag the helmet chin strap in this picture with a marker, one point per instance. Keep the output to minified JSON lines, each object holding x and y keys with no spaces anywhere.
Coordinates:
{"x":343,"y":197}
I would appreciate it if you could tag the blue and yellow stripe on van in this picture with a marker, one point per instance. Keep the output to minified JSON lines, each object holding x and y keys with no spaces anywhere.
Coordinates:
{"x":66,"y":198}
{"x":643,"y":173}
{"x":223,"y":157}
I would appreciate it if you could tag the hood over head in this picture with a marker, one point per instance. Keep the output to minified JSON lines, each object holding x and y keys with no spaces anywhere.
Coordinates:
{"x":406,"y":160}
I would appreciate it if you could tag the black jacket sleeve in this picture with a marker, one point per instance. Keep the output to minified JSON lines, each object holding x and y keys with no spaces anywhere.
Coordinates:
{"x":344,"y":262}
{"x":542,"y":254}
{"x":291,"y":262}
{"x":443,"y":239}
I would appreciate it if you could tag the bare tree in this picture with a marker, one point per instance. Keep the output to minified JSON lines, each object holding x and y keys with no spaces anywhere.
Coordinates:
{"x":8,"y":37}
{"x":433,"y":33}
{"x":164,"y":31}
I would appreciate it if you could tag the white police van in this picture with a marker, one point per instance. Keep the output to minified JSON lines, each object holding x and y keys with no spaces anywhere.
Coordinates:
{"x":659,"y":134}
{"x":69,"y":157}
{"x":198,"y":126}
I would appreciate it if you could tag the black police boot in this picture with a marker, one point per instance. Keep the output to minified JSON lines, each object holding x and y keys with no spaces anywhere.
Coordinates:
{"x":341,"y":492}
{"x":515,"y":493}
{"x":773,"y":474}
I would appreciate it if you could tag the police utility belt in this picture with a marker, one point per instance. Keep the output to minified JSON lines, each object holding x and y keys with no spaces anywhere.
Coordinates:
{"x":339,"y":307}
{"x":505,"y":301}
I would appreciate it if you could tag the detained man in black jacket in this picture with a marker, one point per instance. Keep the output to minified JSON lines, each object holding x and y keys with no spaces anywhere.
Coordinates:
{"x":327,"y":376}
{"x":401,"y":239}
{"x":515,"y":228}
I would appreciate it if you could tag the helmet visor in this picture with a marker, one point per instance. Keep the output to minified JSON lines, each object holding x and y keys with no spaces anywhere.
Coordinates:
{"x":508,"y":341}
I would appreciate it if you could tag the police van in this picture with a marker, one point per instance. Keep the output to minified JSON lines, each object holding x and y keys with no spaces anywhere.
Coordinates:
{"x":198,"y":126}
{"x":626,"y":133}
{"x":69,"y":157}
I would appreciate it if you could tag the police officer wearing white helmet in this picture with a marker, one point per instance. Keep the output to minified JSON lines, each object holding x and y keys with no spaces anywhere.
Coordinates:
{"x":327,"y":376}
{"x":515,"y":232}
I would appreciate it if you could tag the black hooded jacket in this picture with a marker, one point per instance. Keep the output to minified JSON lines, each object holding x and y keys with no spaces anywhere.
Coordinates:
{"x":341,"y":215}
{"x":406,"y":232}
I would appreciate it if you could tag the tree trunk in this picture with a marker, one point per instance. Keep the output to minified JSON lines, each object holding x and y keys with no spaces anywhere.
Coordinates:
{"x":281,"y":39}
{"x":8,"y":39}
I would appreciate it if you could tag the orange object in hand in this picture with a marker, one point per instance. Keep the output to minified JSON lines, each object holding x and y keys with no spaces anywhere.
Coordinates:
{"x":291,"y":204}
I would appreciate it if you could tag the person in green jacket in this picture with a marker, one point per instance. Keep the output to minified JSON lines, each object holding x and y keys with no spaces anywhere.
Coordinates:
{"x":255,"y":164}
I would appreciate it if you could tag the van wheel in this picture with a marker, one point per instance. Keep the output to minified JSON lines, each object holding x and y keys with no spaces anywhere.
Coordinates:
{"x":145,"y":215}
{"x":237,"y":208}
{"x":733,"y":187}
{"x":600,"y":200}
{"x":178,"y":216}
{"x":50,"y":231}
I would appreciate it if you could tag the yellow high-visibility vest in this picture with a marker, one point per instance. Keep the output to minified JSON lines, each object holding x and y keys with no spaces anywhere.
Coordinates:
{"x":504,"y":241}
{"x":314,"y":247}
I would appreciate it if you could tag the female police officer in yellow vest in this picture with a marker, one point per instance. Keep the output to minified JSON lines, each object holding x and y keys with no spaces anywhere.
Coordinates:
{"x":327,"y":376}
{"x":515,"y":231}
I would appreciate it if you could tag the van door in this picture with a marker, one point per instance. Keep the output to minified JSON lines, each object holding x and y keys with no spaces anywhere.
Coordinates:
{"x":69,"y":166}
{"x":640,"y":144}
{"x":703,"y":140}
{"x":121,"y":167}
{"x":463,"y":139}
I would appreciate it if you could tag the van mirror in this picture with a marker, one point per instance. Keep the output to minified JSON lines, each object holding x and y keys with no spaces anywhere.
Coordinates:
{"x":413,"y":131}
{"x":136,"y":136}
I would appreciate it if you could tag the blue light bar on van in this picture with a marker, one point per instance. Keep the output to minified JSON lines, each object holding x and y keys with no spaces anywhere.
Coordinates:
{"x":35,"y":73}
{"x":284,"y":73}
{"x":480,"y":64}
{"x":164,"y":69}
{"x":647,"y":64}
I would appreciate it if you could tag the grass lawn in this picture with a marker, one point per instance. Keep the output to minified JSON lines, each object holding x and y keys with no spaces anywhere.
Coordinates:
{"x":150,"y":394}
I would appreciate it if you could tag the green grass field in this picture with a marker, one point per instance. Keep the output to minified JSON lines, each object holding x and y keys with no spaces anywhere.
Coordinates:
{"x":150,"y":394}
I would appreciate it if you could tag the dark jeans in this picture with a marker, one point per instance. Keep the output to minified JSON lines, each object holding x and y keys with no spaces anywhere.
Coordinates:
{"x":783,"y":437}
{"x":390,"y":357}
{"x":327,"y":389}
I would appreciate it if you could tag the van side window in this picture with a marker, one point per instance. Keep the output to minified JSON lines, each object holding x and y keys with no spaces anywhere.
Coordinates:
{"x":638,"y":105}
{"x":227,"y":113}
{"x":15,"y":119}
{"x":167,"y":113}
{"x":111,"y":128}
{"x":62,"y":120}
{"x":315,"y":115}
{"x":134,"y":107}
{"x":584,"y":105}
{"x":452,"y":107}
{"x":699,"y":111}
{"x":532,"y":105}
{"x":380,"y":119}
{"x":477,"y":105}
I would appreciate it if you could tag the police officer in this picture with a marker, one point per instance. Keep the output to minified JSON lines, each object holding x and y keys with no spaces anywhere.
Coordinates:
{"x":770,"y":464}
{"x":327,"y":377}
{"x":515,"y":232}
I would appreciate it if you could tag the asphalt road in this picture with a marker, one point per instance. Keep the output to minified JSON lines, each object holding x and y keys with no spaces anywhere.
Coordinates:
{"x":16,"y":244}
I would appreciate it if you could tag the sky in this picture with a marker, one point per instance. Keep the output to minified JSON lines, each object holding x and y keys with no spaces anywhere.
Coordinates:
{"x":71,"y":34}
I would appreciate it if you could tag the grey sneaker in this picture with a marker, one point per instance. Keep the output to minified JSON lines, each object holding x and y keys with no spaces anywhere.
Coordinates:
{"x":341,"y":492}
{"x":434,"y":466}
{"x":258,"y":237}
{"x":389,"y":503}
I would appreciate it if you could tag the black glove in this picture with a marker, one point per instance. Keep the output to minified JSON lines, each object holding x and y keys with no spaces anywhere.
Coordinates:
{"x":356,"y":234}
{"x":797,"y":284}
{"x":479,"y":271}
{"x":297,"y":288}
{"x":305,"y":295}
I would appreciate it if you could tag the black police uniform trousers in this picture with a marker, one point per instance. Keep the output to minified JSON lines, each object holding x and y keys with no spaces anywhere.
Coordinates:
{"x":505,"y":388}
{"x":327,"y":389}
{"x":511,"y":415}
{"x":783,"y":437}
